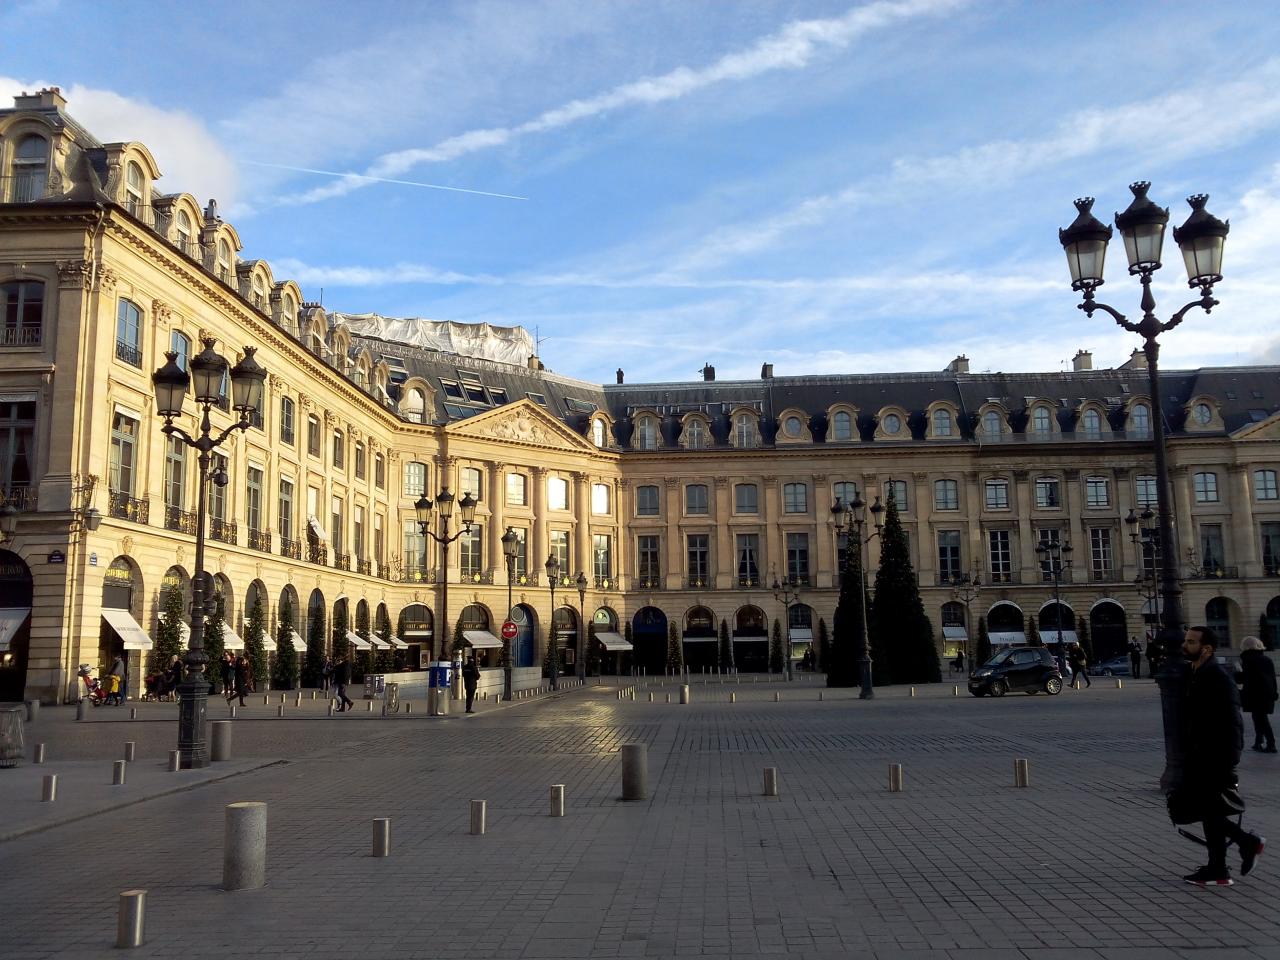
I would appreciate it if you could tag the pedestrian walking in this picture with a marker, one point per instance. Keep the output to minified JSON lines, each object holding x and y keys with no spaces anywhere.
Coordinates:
{"x":326,"y":674}
{"x":1153,"y":657}
{"x":242,"y":677}
{"x":1257,"y":678}
{"x":1135,"y":658}
{"x":228,"y":676}
{"x":470,"y":677}
{"x":1078,"y":663}
{"x":341,"y":677}
{"x":174,"y":676}
{"x":1211,"y":736}
{"x":120,"y":671}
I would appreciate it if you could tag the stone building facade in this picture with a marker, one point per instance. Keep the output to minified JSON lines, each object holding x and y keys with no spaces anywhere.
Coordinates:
{"x":679,"y":503}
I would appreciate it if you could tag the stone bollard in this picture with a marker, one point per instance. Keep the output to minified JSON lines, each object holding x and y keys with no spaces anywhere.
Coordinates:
{"x":668,"y":698}
{"x":133,"y":713}
{"x":130,"y":918}
{"x":280,"y":710}
{"x":477,"y":817}
{"x":770,"y":781}
{"x":244,"y":846}
{"x":49,"y":788}
{"x":82,"y":709}
{"x":633,"y":694}
{"x":1021,"y":773}
{"x":408,"y":708}
{"x":895,"y":778}
{"x":33,"y":711}
{"x":733,"y":698}
{"x":39,"y":754}
{"x":651,"y":697}
{"x":1119,"y":684}
{"x":684,"y":693}
{"x":819,"y":696}
{"x":382,"y":836}
{"x":557,"y":800}
{"x":297,"y":701}
{"x":955,"y":690}
{"x":331,"y":708}
{"x":220,"y":741}
{"x":283,"y":697}
{"x":913,"y":691}
{"x":313,"y":694}
{"x":233,"y":709}
{"x":266,"y":700}
{"x":369,"y":706}
{"x":635,"y":771}
{"x":175,"y":761}
{"x":130,"y":751}
{"x":117,"y":773}
{"x":777,"y":697}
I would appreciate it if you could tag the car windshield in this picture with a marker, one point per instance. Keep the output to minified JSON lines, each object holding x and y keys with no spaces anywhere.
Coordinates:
{"x":999,"y":658}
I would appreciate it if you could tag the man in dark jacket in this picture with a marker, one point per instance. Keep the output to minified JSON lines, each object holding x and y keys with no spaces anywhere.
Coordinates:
{"x":342,"y":677}
{"x":1135,"y":658}
{"x":1257,"y":678}
{"x":470,"y":677}
{"x":1211,"y":732}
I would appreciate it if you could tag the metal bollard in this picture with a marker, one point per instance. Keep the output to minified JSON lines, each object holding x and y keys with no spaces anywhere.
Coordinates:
{"x":633,"y":694}
{"x":913,"y":691}
{"x":133,"y":713}
{"x":297,"y":701}
{"x":244,"y":846}
{"x":408,"y":707}
{"x":49,"y":788}
{"x":130,"y":750}
{"x":477,"y":817}
{"x":557,"y":800}
{"x":770,"y":781}
{"x":651,"y":697}
{"x":280,"y":710}
{"x":1021,"y":773}
{"x":33,"y":711}
{"x":313,"y":694}
{"x":369,"y":708}
{"x":82,"y":709}
{"x":220,"y":740}
{"x":684,"y":693}
{"x":283,"y":696}
{"x":733,"y":698}
{"x":382,"y":836}
{"x":266,"y":700}
{"x":777,"y":697}
{"x":175,"y":761}
{"x":117,"y":773}
{"x":331,"y":708}
{"x":1119,"y":684}
{"x":129,"y":920}
{"x":233,"y":711}
{"x":39,"y":754}
{"x":668,"y":698}
{"x":955,"y":690}
{"x":635,"y":771}
{"x":895,"y":778}
{"x":819,"y":696}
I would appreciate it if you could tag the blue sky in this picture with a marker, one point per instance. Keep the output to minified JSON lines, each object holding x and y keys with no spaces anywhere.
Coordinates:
{"x":830,"y":187}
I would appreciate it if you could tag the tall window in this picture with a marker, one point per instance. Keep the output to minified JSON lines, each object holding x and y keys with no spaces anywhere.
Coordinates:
{"x":992,"y":424}
{"x":1048,"y":493}
{"x":414,"y":551}
{"x":289,"y":313}
{"x":942,"y":423}
{"x":1000,"y":556}
{"x":646,"y":434}
{"x":647,"y":501}
{"x":798,"y":557}
{"x":597,"y":432}
{"x":844,"y":491}
{"x":997,"y":494}
{"x":1041,"y":421}
{"x":1270,"y":548}
{"x":378,"y":543}
{"x":695,"y":434}
{"x":557,"y":493}
{"x":129,"y":333}
{"x":1097,"y":492}
{"x":23,"y":313}
{"x":360,"y":464}
{"x":696,"y":501}
{"x":744,"y":431}
{"x":218,"y":493}
{"x":414,"y":406}
{"x":134,"y":197}
{"x":313,"y":435}
{"x":470,"y":483}
{"x":1206,"y":486}
{"x":124,"y":438}
{"x":560,"y":550}
{"x":1091,"y":424}
{"x":1140,"y":421}
{"x":17,"y":434}
{"x":336,"y":525}
{"x":898,"y":490}
{"x":842,"y":426}
{"x":1145,"y":491}
{"x":948,"y":554}
{"x":746,"y":498}
{"x":339,"y":449}
{"x":184,"y":230}
{"x":795,"y":498}
{"x":415,"y":479}
{"x":287,"y":418}
{"x":30,"y":169}
{"x":379,"y":471}
{"x":520,"y":567}
{"x":748,"y":550}
{"x":357,"y":531}
{"x":223,"y":268}
{"x":1100,"y":557}
{"x":1264,"y":485}
{"x":600,"y":499}
{"x":517,"y":490}
{"x":471,"y":553}
{"x":258,"y":296}
{"x":602,"y":555}
{"x":253,"y":499}
{"x":648,"y":553}
{"x":1212,"y":553}
{"x":175,"y":474}
{"x":284,"y":518}
{"x":698,"y":565}
{"x":946,"y":495}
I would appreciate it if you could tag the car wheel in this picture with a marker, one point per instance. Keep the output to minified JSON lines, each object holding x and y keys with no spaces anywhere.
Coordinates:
{"x":1053,"y":686}
{"x":999,"y":688}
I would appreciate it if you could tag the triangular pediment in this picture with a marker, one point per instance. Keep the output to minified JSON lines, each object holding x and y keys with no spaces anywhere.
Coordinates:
{"x":1268,"y":429}
{"x":523,"y":422}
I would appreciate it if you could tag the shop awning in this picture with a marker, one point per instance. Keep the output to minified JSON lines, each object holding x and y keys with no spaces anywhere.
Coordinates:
{"x":298,"y":642}
{"x":122,"y":622}
{"x":748,"y":638}
{"x":11,"y":618}
{"x":230,"y":641}
{"x":1011,"y":638}
{"x":699,"y":639}
{"x":357,"y":641}
{"x":613,"y":641}
{"x":801,"y":634}
{"x":1050,"y":635}
{"x":955,"y":633}
{"x":420,"y":632}
{"x":268,"y":641}
{"x":482,"y":639}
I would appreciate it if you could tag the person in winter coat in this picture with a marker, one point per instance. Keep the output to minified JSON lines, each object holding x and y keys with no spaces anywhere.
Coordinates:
{"x":1211,"y":734}
{"x":1258,"y":692}
{"x":1135,"y":658}
{"x":118,"y":669}
{"x":342,"y":677}
{"x":242,"y":677}
{"x":229,"y":675}
{"x":470,"y":677}
{"x":1078,"y":663}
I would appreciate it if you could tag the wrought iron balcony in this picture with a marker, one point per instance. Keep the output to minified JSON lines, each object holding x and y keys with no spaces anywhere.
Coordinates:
{"x":608,"y":583}
{"x":318,"y":553}
{"x":749,"y":582}
{"x":22,"y":499}
{"x":651,"y":582}
{"x":260,"y":540}
{"x":365,"y":567}
{"x":1004,"y":576}
{"x":291,"y":548}
{"x":225,"y":531}
{"x":342,"y":561}
{"x":529,"y":579}
{"x":183,"y":521}
{"x":701,"y":582}
{"x":1107,"y":575}
{"x":128,"y":508}
{"x":129,"y":353}
{"x":25,"y":336}
{"x":417,"y":575}
{"x":799,"y":580}
{"x":24,"y":187}
{"x":476,"y":576}
{"x":1064,"y":575}
{"x":1217,"y":571}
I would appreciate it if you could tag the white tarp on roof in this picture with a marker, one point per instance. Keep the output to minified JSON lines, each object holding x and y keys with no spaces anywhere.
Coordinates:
{"x":481,"y":340}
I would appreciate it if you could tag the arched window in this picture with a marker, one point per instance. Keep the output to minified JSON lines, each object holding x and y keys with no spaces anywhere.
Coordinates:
{"x":1091,"y":424}
{"x":1140,"y":421}
{"x":1203,"y":414}
{"x":23,"y":304}
{"x":743,"y":430}
{"x":942,"y":423}
{"x":842,"y":426}
{"x":223,"y":269}
{"x":288,"y":313}
{"x":414,"y":406}
{"x":647,"y":434}
{"x":185,"y":231}
{"x":597,"y":432}
{"x":1041,"y":421}
{"x":134,"y":187}
{"x":259,"y":298}
{"x":129,"y":332}
{"x":991,"y":423}
{"x":180,"y":344}
{"x":695,"y":434}
{"x":891,"y":423}
{"x":30,"y":169}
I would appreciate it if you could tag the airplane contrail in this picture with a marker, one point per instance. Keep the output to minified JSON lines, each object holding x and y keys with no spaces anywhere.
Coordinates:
{"x":403,"y":183}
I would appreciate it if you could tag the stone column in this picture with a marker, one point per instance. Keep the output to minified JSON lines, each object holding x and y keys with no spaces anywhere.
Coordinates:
{"x":1025,"y":558}
{"x":497,"y":525}
{"x":971,"y":498}
{"x":538,"y":500}
{"x":1183,"y":532}
{"x":581,"y":559}
{"x":673,"y":563}
{"x":725,"y":558}
{"x":823,"y":571}
{"x":1241,"y":539}
{"x":927,"y":552}
{"x":769,"y":537}
{"x":623,"y":542}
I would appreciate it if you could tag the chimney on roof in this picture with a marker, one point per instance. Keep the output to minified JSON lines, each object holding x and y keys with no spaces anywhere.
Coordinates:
{"x":535,"y":363}
{"x":1137,"y":361}
{"x":1083,"y":360}
{"x":766,"y":371}
{"x":619,"y":374}
{"x":708,"y":372}
{"x":959,"y":365}
{"x":48,"y":97}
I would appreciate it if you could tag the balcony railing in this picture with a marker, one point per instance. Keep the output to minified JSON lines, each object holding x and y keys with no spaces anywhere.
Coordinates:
{"x":22,"y":499}
{"x":1216,"y":572}
{"x":1064,"y":575}
{"x":529,"y":579}
{"x":800,"y":580}
{"x":608,"y":583}
{"x":417,"y":575}
{"x":1107,"y":575}
{"x":749,"y":582}
{"x":25,"y":187}
{"x":129,"y":353}
{"x":291,"y":548}
{"x":702,"y":582}
{"x":26,"y":336}
{"x":260,"y":540}
{"x":175,"y":518}
{"x":365,"y":567}
{"x":318,"y":553}
{"x":124,"y":507}
{"x":224,"y":531}
{"x":1005,"y":576}
{"x":342,"y":561}
{"x":650,"y":582}
{"x":476,"y":576}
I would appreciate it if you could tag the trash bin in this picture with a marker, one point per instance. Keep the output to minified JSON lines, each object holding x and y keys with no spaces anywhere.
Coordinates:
{"x":11,"y":746}
{"x":375,"y":684}
{"x":438,"y":688}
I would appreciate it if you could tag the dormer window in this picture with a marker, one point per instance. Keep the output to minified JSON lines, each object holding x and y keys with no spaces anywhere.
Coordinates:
{"x":597,"y":432}
{"x":1202,"y":413}
{"x":695,"y":434}
{"x":30,"y":169}
{"x":1140,"y":421}
{"x":842,"y":426}
{"x":223,"y":268}
{"x":1091,"y":424}
{"x":288,"y":312}
{"x":646,"y":434}
{"x":1041,"y":421}
{"x":134,"y":187}
{"x":259,"y":297}
{"x":991,"y":423}
{"x":184,"y":229}
{"x":744,"y":430}
{"x":942,"y":423}
{"x":892,"y":423}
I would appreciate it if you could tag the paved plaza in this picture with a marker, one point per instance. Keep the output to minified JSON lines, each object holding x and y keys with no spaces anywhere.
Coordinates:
{"x":1083,"y":863}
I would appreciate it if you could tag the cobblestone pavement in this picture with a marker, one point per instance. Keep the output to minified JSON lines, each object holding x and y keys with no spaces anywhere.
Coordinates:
{"x":961,"y":864}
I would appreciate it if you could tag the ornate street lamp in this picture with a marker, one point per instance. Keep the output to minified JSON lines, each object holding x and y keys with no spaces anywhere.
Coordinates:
{"x":442,"y":508}
{"x":510,"y":544}
{"x":786,"y":593}
{"x":580,"y":581}
{"x":553,"y":644}
{"x":966,"y":588}
{"x":849,"y":521}
{"x":171,"y":382}
{"x":1201,"y":240}
{"x":1146,"y":539}
{"x":1055,"y":559}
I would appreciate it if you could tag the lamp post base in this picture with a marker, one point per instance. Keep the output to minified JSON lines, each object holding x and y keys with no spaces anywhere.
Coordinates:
{"x":506,"y":683}
{"x":1171,"y":678}
{"x":193,"y":746}
{"x":864,"y":675}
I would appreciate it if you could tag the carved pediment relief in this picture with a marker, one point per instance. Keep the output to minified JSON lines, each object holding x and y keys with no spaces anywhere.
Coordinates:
{"x":522,"y":422}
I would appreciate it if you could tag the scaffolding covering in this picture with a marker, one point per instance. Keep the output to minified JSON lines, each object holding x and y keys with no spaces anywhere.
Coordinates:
{"x":480,"y":340}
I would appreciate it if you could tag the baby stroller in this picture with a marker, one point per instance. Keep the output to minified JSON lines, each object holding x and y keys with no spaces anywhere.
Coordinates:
{"x":93,"y":691}
{"x":154,"y":686}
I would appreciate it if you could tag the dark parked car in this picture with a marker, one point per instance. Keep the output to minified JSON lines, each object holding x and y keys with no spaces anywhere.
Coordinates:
{"x":1115,"y":667}
{"x":1029,"y":669}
